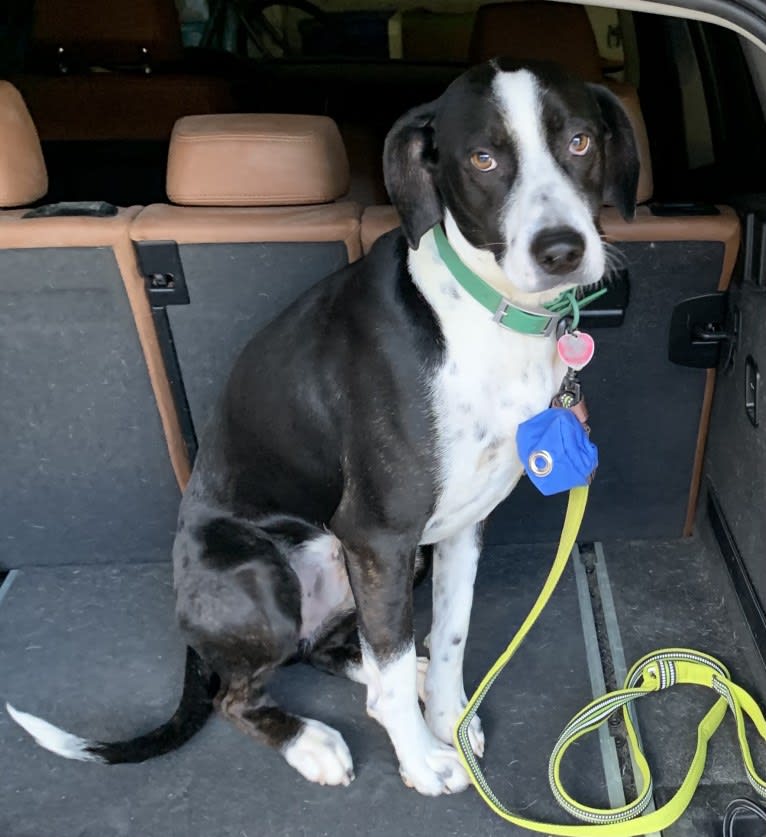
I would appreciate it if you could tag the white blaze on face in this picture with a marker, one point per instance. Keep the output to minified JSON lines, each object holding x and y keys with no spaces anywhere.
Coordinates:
{"x":542,"y":195}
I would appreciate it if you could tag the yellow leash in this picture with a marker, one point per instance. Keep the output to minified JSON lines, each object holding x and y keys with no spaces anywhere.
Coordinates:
{"x":659,"y":670}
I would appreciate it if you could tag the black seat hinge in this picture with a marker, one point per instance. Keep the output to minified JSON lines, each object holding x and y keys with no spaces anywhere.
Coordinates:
{"x":165,"y":283}
{"x":160,"y":265}
{"x":704,"y":332}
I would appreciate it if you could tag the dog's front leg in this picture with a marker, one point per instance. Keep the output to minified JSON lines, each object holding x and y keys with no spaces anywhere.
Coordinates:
{"x":454,"y":572}
{"x":381,"y":572}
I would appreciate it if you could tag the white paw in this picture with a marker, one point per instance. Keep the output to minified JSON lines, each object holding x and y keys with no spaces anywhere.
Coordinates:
{"x":422,"y":670}
{"x":442,"y":723}
{"x":433,"y":770}
{"x":356,"y":673}
{"x":320,"y":754}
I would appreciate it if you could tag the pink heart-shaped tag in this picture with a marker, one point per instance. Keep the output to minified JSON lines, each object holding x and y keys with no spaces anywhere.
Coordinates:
{"x":576,"y":349}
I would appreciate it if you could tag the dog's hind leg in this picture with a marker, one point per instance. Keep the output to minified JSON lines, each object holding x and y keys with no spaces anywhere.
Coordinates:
{"x":315,"y":750}
{"x":239,"y":603}
{"x":338,"y":651}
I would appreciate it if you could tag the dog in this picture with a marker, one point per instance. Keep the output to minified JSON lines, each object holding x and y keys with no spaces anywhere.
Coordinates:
{"x":374,"y":422}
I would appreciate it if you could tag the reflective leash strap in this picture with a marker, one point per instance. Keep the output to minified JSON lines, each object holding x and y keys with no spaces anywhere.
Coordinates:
{"x":658,"y":670}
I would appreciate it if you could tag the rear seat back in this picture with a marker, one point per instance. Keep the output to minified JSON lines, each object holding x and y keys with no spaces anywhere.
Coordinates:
{"x":537,"y":30}
{"x":147,"y":86}
{"x":92,"y":33}
{"x":84,"y":459}
{"x":258,"y":225}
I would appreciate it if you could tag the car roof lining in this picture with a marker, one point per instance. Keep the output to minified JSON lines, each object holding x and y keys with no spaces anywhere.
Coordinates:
{"x":679,"y":11}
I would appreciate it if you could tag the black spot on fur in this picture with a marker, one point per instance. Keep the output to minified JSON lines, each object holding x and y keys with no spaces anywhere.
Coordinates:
{"x":456,"y":640}
{"x":480,"y":432}
{"x":226,"y":542}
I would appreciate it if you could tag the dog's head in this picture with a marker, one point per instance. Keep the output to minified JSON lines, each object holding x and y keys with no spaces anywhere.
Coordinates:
{"x":521,"y":157}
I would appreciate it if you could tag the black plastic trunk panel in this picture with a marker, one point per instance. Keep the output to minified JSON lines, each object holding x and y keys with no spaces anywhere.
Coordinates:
{"x":736,"y":452}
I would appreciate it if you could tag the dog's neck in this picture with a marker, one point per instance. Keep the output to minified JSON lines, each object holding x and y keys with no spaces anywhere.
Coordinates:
{"x":484,"y":264}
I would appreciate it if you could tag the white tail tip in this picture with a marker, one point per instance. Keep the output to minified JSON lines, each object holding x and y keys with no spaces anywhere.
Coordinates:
{"x":52,"y":738}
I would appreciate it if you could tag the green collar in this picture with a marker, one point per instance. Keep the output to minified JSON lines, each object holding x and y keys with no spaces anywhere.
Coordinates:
{"x":505,"y":312}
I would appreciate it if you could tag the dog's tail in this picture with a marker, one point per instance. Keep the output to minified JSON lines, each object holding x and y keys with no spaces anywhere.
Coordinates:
{"x":194,"y":708}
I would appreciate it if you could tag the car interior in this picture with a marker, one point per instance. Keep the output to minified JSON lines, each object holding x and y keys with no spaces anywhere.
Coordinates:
{"x":168,"y":186}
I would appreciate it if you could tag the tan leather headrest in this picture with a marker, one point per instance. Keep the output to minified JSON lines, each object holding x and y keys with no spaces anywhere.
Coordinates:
{"x":628,"y":95}
{"x":256,"y":160}
{"x":539,"y":31}
{"x":92,"y":31}
{"x":23,"y":177}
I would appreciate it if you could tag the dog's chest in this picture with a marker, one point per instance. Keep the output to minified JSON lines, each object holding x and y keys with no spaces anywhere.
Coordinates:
{"x":492,"y":379}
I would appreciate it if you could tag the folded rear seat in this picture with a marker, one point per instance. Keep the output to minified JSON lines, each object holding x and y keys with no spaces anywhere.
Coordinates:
{"x":84,"y":458}
{"x":649,"y":474}
{"x":255,"y":223}
{"x":89,"y":499}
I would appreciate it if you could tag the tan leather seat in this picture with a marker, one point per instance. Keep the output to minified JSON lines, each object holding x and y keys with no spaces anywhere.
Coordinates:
{"x":537,"y":30}
{"x":90,"y":427}
{"x":113,"y":71}
{"x":93,"y":32}
{"x":119,"y":106}
{"x":255,"y":221}
{"x":247,"y":178}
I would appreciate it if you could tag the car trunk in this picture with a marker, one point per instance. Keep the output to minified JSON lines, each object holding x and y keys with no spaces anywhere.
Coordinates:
{"x":88,"y":640}
{"x":670,"y":552}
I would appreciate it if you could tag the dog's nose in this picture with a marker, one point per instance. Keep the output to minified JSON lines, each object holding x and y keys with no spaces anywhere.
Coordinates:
{"x":558,"y":250}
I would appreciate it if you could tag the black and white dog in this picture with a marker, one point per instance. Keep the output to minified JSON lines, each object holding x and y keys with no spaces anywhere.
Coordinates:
{"x":374,"y":422}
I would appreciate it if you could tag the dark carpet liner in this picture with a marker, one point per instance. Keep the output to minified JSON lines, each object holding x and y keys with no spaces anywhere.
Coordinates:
{"x":678,"y":594}
{"x":103,"y":643}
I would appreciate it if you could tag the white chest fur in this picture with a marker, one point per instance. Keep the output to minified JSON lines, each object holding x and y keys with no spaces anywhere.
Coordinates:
{"x":492,"y":379}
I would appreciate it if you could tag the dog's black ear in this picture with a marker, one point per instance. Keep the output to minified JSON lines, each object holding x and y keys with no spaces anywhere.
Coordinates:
{"x":621,"y":168}
{"x":409,"y":157}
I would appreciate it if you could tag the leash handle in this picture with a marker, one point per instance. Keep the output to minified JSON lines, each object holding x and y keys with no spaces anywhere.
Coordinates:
{"x":656,"y":671}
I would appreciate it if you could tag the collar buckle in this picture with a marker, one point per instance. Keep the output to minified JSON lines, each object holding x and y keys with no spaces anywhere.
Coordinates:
{"x":505,"y":304}
{"x":502,"y":310}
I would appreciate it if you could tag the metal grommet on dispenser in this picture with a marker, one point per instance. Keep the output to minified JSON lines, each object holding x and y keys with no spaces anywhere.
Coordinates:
{"x":540,"y":463}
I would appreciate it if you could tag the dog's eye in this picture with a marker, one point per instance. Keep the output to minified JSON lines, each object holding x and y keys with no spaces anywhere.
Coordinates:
{"x":483,"y":161}
{"x":579,"y":145}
